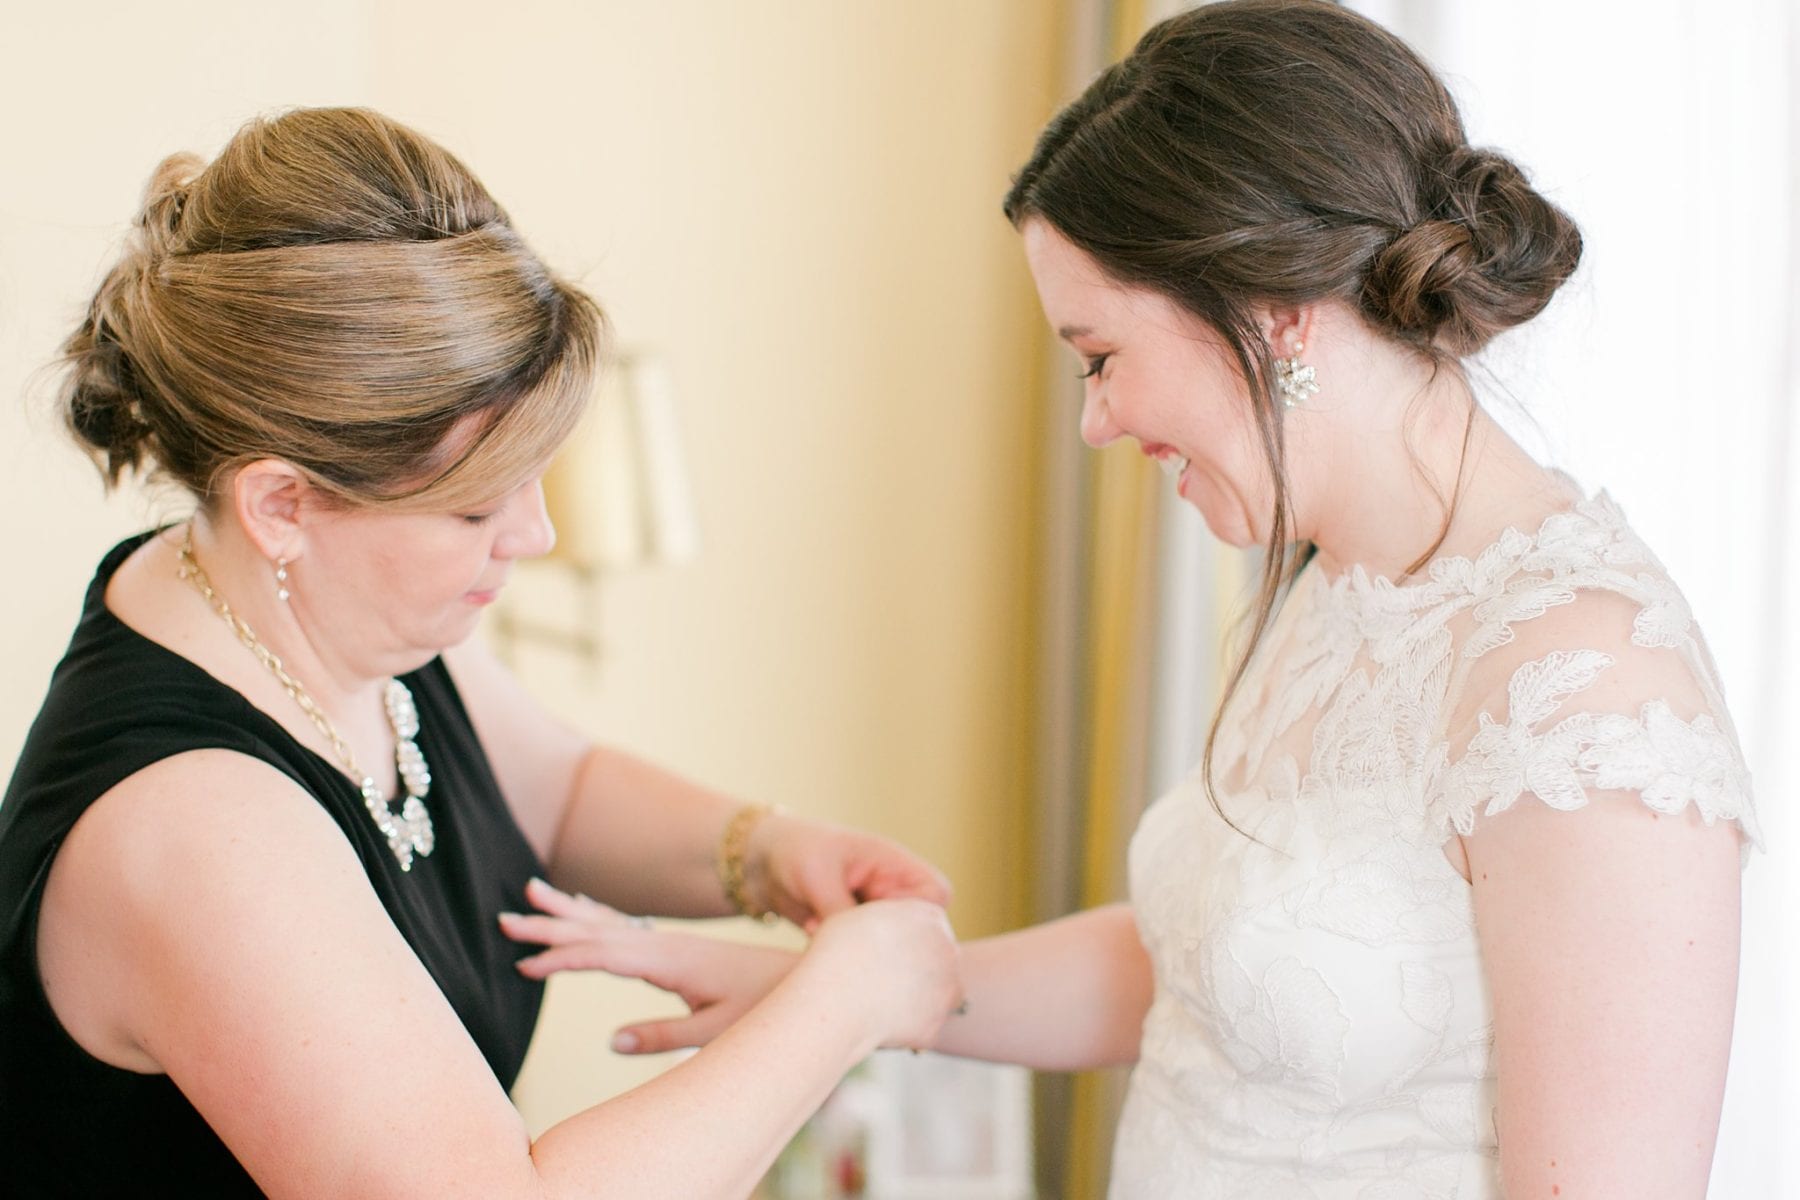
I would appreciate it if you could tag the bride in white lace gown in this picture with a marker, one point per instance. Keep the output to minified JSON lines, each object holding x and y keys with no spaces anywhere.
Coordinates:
{"x":1451,"y":910}
{"x":1329,"y":1020}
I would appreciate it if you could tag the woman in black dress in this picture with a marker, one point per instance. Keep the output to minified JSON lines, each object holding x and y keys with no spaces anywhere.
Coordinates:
{"x":257,"y":852}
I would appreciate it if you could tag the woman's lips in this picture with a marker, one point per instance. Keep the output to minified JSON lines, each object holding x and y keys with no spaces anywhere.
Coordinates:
{"x":1171,"y":460}
{"x":482,"y":597}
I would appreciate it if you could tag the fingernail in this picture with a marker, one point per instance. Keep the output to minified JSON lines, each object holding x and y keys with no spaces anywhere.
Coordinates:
{"x":536,"y":880}
{"x":508,"y":916}
{"x":624,"y":1042}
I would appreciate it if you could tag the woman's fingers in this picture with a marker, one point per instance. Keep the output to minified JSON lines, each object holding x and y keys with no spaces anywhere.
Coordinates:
{"x":898,"y":879}
{"x":563,"y":918}
{"x":659,"y":959}
{"x":548,"y":898}
{"x":822,"y":893}
{"x":562,"y":904}
{"x":546,"y":931}
{"x":589,"y":954}
{"x":678,"y":1033}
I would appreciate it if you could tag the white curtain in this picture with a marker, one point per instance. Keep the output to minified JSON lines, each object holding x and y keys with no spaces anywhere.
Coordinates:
{"x":1666,"y":373}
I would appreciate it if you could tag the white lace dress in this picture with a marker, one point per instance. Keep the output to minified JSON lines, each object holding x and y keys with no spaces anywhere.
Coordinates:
{"x":1321,"y":1024}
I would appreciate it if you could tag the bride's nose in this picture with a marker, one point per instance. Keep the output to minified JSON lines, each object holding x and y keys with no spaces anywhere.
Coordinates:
{"x":1097,"y":425}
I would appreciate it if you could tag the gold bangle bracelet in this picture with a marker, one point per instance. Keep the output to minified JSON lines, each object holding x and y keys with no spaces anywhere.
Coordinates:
{"x":730,"y":861}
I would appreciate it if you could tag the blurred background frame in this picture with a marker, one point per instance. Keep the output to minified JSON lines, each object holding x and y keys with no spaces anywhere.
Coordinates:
{"x":887,"y":586}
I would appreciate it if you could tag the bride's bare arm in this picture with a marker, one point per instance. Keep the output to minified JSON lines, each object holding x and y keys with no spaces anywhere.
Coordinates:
{"x":1067,"y":995}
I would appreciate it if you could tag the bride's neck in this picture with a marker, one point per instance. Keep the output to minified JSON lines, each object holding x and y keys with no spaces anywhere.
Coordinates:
{"x":1415,"y":469}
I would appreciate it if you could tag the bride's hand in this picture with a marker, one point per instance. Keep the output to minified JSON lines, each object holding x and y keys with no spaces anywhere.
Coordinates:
{"x":719,"y":981}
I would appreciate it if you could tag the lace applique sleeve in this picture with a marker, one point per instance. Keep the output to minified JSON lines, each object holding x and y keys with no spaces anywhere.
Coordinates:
{"x":1591,"y":690}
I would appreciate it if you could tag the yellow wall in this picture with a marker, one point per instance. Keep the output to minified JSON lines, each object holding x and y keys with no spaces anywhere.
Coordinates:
{"x":796,"y":206}
{"x":94,"y":96}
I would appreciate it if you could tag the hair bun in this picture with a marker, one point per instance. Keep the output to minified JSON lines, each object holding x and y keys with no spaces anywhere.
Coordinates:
{"x":1489,"y":255}
{"x":102,"y":398}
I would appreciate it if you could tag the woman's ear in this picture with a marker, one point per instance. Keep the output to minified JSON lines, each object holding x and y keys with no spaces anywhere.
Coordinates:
{"x":270,"y":499}
{"x":1287,"y":327}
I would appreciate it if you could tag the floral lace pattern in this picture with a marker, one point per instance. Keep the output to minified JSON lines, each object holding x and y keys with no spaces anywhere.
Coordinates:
{"x":1321,"y":1025}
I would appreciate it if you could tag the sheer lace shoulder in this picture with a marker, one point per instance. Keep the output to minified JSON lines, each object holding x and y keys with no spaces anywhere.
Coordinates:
{"x":1580,"y":670}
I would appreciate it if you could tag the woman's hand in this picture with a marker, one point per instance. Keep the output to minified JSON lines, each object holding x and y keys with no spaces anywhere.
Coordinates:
{"x":807,"y":870}
{"x":899,"y":961}
{"x":896,"y":959}
{"x":719,"y":981}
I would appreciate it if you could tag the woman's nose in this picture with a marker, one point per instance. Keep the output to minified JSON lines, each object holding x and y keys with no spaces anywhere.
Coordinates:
{"x":529,"y":532}
{"x":1097,"y":424}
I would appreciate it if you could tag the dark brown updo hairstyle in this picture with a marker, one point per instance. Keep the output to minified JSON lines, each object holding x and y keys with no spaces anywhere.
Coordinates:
{"x":1286,"y":152}
{"x":339,"y":292}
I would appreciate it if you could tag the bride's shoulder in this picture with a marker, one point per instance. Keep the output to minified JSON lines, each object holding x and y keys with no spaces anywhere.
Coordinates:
{"x":1582,"y":669}
{"x":1583,"y":570}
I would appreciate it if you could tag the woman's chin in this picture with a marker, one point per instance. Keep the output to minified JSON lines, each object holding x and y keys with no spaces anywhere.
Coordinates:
{"x":1235,"y":537}
{"x":1224,"y":521}
{"x":427,"y":645}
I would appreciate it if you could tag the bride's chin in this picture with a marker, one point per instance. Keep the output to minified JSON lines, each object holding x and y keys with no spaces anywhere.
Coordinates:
{"x":1225,"y":520}
{"x":1236,"y":538}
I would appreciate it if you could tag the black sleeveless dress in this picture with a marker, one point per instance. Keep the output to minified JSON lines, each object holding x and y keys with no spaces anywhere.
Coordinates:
{"x":71,"y":1125}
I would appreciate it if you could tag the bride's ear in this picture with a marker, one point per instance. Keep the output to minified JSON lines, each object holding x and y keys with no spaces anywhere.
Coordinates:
{"x":1286,"y":327}
{"x":270,"y":499}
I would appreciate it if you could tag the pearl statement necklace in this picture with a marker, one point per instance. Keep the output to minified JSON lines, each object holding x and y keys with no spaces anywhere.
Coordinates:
{"x":408,"y":832}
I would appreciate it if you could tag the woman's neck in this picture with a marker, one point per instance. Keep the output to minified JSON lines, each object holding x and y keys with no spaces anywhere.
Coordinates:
{"x":1403,"y":465}
{"x":330,"y":672}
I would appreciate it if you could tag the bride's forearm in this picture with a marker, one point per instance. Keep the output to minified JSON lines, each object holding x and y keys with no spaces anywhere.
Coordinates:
{"x":1067,"y":995}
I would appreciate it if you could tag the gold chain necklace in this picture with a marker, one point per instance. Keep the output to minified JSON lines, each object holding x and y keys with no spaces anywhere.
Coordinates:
{"x":409,"y":831}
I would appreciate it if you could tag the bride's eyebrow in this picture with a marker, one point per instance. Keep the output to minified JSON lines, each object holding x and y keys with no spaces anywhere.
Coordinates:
{"x":1068,"y":332}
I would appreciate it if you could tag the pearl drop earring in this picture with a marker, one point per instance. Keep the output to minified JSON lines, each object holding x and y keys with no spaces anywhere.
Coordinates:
{"x":281,"y":588}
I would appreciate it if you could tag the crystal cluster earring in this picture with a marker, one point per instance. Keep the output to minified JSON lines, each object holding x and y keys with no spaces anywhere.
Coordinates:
{"x":1296,"y":381}
{"x":281,"y":587}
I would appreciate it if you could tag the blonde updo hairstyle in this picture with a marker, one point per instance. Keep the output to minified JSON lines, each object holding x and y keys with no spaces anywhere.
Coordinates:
{"x":336,"y":291}
{"x":1283,"y":153}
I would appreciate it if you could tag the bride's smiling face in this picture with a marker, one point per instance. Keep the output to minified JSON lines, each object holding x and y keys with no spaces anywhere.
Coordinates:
{"x":1159,"y":375}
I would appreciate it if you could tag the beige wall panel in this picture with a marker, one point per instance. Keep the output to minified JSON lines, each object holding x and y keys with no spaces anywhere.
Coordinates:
{"x":94,"y":97}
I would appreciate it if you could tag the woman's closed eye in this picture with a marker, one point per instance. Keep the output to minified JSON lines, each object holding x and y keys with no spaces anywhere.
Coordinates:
{"x":1094,"y":365}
